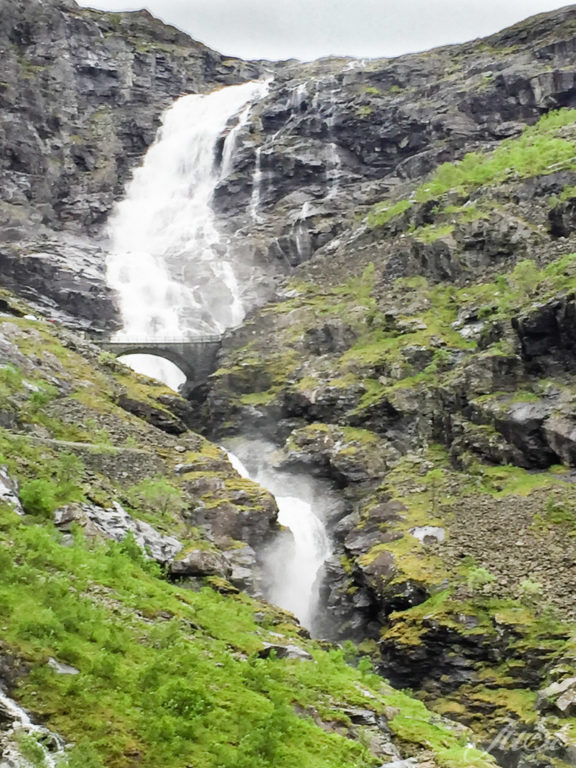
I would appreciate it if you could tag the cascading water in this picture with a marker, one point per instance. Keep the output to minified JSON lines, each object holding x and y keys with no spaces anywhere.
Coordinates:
{"x":172,"y":273}
{"x":51,"y":746}
{"x":303,"y":506}
{"x":175,"y":279}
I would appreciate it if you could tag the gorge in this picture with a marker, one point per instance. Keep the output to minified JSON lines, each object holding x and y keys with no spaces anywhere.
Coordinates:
{"x":386,"y":250}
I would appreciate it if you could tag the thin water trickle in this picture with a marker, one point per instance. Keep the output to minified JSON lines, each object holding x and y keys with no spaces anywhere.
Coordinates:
{"x":256,"y":197}
{"x":51,"y":745}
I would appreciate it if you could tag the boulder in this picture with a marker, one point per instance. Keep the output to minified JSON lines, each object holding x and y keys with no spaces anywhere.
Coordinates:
{"x":284,"y":652}
{"x":157,"y":417}
{"x":243,"y":567}
{"x":198,"y":563}
{"x":560,"y":431}
{"x":9,"y":491}
{"x":560,"y":696}
{"x":116,"y":524}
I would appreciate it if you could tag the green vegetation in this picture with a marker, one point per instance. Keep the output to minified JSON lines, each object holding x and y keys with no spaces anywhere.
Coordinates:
{"x":364,"y":111}
{"x":477,"y":578}
{"x":167,"y":675}
{"x":382,"y":213}
{"x":60,"y":484}
{"x":541,"y":149}
{"x":432,"y":232}
{"x":156,"y":495}
{"x":173,"y":675}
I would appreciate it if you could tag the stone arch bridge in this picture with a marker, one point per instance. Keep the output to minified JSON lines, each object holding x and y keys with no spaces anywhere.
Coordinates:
{"x":197,"y":358}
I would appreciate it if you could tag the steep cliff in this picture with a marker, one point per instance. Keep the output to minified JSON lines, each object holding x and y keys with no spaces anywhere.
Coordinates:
{"x":81,"y":95}
{"x":335,"y":136}
{"x":413,"y":222}
{"x":421,"y":358}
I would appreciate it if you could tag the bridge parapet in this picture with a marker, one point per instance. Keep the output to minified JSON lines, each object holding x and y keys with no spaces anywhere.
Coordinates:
{"x":197,"y":358}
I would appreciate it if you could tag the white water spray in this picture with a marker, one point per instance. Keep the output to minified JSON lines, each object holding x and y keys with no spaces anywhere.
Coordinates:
{"x":256,"y":196}
{"x":176,"y":280}
{"x":292,"y":566}
{"x":10,"y":756}
{"x":172,"y":273}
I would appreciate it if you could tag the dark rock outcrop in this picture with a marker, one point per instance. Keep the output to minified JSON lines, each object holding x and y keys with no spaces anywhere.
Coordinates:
{"x":81,"y":96}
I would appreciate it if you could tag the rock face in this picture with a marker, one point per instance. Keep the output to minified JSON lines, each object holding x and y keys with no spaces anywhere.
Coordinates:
{"x":64,"y":278}
{"x":337,"y":135}
{"x":199,"y":563}
{"x":81,"y":95}
{"x":117,"y":524}
{"x":9,"y":491}
{"x":420,"y":357}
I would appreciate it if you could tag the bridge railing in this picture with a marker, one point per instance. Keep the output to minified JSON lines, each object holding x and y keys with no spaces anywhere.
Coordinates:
{"x":207,"y":339}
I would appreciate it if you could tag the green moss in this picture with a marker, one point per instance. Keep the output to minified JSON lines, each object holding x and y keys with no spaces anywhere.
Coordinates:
{"x":382,"y":213}
{"x":258,"y":398}
{"x":413,"y":723}
{"x":143,"y":675}
{"x":538,"y":151}
{"x":432,"y":232}
{"x":514,"y":481}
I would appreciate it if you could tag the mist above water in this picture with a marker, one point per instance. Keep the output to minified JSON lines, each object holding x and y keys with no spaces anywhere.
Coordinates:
{"x":177,"y":280}
{"x":305,"y":505}
{"x":173,"y":274}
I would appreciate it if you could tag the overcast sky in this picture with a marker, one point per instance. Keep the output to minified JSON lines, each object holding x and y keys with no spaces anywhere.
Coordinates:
{"x":307,"y":29}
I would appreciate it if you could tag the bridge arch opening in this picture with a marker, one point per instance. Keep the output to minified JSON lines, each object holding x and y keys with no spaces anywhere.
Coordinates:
{"x":157,"y":367}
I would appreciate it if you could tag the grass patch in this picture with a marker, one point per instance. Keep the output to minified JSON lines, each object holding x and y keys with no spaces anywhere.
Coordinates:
{"x":538,"y":151}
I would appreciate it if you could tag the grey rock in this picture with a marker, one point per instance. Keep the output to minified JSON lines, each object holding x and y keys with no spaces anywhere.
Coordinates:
{"x":62,"y":669}
{"x":429,"y":534}
{"x":284,"y":652}
{"x":561,"y":696}
{"x":253,"y":521}
{"x":560,"y":431}
{"x":329,"y":338}
{"x":116,"y":524}
{"x":64,"y":277}
{"x":198,"y":563}
{"x":244,"y":566}
{"x":81,"y":96}
{"x":157,"y":417}
{"x":107,"y":78}
{"x":9,"y":491}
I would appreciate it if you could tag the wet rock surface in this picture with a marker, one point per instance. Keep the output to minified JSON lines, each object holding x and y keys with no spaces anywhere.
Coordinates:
{"x":81,"y":96}
{"x":95,"y":85}
{"x":9,"y":491}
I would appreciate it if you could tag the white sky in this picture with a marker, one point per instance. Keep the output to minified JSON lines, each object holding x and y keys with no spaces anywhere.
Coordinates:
{"x":307,"y":29}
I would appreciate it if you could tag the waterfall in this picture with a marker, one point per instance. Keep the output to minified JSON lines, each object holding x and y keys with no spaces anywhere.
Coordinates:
{"x":256,"y":196}
{"x":304,"y":505}
{"x":10,"y":757}
{"x":176,"y":279}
